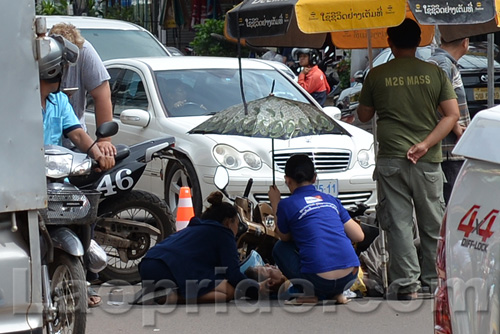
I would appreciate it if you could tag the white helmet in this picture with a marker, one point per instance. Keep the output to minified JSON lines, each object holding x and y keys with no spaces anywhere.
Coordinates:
{"x":61,"y":53}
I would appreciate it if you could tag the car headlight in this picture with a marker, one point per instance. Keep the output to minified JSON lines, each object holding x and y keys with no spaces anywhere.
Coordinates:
{"x":231,"y":158}
{"x":366,"y":158}
{"x":58,"y":166}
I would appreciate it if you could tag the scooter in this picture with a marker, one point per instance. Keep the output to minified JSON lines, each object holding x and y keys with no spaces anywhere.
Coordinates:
{"x":129,"y":222}
{"x":65,"y":227}
{"x":256,"y":229}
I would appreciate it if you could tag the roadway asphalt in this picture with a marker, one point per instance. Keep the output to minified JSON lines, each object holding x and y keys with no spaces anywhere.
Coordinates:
{"x":363,"y":315}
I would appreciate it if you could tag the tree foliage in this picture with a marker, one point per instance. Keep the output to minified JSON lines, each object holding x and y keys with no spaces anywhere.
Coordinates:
{"x":209,"y":41}
{"x":51,"y":7}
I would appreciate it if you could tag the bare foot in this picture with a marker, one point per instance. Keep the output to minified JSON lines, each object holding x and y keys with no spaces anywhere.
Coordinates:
{"x":341,"y":299}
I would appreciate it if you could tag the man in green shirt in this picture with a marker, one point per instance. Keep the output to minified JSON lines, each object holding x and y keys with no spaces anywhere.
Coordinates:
{"x":405,"y":93}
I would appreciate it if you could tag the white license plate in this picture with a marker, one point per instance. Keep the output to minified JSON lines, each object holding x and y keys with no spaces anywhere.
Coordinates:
{"x":481,"y":94}
{"x":328,"y":186}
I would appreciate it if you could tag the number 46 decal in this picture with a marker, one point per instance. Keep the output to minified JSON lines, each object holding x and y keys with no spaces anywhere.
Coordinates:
{"x":469,"y":223}
{"x":107,"y":186}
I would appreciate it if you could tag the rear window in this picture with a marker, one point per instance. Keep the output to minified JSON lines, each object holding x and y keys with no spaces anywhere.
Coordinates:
{"x":112,"y":44}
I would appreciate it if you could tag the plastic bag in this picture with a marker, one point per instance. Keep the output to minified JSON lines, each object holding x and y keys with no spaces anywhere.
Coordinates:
{"x":96,"y":257}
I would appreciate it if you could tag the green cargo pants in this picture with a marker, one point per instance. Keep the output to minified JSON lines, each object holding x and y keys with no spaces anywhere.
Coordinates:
{"x":404,"y":187}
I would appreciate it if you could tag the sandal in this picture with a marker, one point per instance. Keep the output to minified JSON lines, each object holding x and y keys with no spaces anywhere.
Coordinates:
{"x":94,"y":300}
{"x":311,"y":301}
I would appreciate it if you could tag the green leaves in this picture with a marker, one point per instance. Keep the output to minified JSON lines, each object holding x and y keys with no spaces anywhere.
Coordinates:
{"x":210,"y":41}
{"x":50,"y":7}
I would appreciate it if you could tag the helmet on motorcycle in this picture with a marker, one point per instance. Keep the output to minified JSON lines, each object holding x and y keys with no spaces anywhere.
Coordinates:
{"x":313,"y":55}
{"x":60,"y":53}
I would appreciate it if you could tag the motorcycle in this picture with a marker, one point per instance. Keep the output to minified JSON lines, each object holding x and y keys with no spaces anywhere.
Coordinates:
{"x":65,"y":227}
{"x":129,"y":222}
{"x":256,"y":230}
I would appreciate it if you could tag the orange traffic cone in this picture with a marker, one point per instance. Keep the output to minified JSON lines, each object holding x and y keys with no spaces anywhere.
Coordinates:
{"x":185,"y":209}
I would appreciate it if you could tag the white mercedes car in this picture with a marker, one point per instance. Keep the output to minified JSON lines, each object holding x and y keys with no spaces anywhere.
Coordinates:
{"x":141,"y":93}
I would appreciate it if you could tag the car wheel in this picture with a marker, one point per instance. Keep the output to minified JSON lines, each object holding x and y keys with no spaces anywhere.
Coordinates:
{"x":182,"y":175}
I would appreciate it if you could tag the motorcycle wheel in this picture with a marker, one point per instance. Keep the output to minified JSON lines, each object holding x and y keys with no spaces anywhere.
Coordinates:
{"x":139,"y":206}
{"x":68,"y":290}
{"x":177,"y":177}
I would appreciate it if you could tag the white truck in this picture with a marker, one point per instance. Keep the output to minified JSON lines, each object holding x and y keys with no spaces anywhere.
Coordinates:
{"x":22,"y":178}
{"x":468,"y":261}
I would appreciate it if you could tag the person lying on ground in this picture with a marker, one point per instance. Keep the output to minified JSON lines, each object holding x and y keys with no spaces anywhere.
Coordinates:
{"x":202,"y":259}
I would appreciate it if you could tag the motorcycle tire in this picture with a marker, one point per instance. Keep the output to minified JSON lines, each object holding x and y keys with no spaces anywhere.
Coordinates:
{"x":140,"y":206}
{"x":68,"y":289}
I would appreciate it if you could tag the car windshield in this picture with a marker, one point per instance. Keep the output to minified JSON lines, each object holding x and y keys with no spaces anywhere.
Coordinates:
{"x":112,"y":44}
{"x":206,"y":92}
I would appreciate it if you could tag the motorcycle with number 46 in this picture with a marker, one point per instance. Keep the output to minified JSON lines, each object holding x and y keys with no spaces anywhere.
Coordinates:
{"x":65,"y":226}
{"x":129,"y":222}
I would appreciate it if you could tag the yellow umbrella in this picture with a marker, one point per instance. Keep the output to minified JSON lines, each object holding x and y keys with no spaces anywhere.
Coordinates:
{"x":358,"y":39}
{"x":316,"y":16}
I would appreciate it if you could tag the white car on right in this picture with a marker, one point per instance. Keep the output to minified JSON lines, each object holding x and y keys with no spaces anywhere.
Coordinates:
{"x":468,"y":258}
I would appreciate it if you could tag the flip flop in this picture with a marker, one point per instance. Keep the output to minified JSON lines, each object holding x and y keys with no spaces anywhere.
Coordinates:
{"x":93,"y":298}
{"x":298,"y":302}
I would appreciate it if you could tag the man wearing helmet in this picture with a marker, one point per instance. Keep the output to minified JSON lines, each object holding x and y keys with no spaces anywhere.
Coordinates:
{"x":58,"y":116}
{"x":312,"y":79}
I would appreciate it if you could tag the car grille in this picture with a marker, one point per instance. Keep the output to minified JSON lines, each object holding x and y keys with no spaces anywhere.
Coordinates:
{"x":347,"y":199}
{"x":324,"y":162}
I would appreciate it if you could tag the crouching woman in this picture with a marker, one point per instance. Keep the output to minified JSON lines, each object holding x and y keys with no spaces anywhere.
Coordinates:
{"x":202,"y":259}
{"x":316,"y":235}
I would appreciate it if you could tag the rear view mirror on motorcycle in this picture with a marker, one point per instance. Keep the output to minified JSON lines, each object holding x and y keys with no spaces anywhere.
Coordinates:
{"x":106,"y":129}
{"x":221,"y":178}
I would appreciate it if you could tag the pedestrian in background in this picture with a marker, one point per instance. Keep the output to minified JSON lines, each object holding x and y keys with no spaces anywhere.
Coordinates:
{"x":312,"y":78}
{"x":89,"y":76}
{"x":405,"y":93}
{"x":447,"y":57}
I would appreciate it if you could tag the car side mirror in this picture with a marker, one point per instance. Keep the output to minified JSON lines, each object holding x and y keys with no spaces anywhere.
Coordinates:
{"x":333,"y":112}
{"x":359,"y":76}
{"x":135,"y":117}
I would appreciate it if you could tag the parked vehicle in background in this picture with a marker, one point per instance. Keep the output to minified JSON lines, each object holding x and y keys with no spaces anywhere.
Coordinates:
{"x":473,"y":67}
{"x":174,"y":51}
{"x":142,"y":90}
{"x":467,"y":299}
{"x":114,"y":38}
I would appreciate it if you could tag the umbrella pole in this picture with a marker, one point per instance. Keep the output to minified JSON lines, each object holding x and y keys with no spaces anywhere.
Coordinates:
{"x":272,"y":158}
{"x":239,"y":63}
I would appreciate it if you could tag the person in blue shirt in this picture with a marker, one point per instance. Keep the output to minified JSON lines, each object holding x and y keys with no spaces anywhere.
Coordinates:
{"x":59,"y":118}
{"x":201,"y":260}
{"x":316,"y":235}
